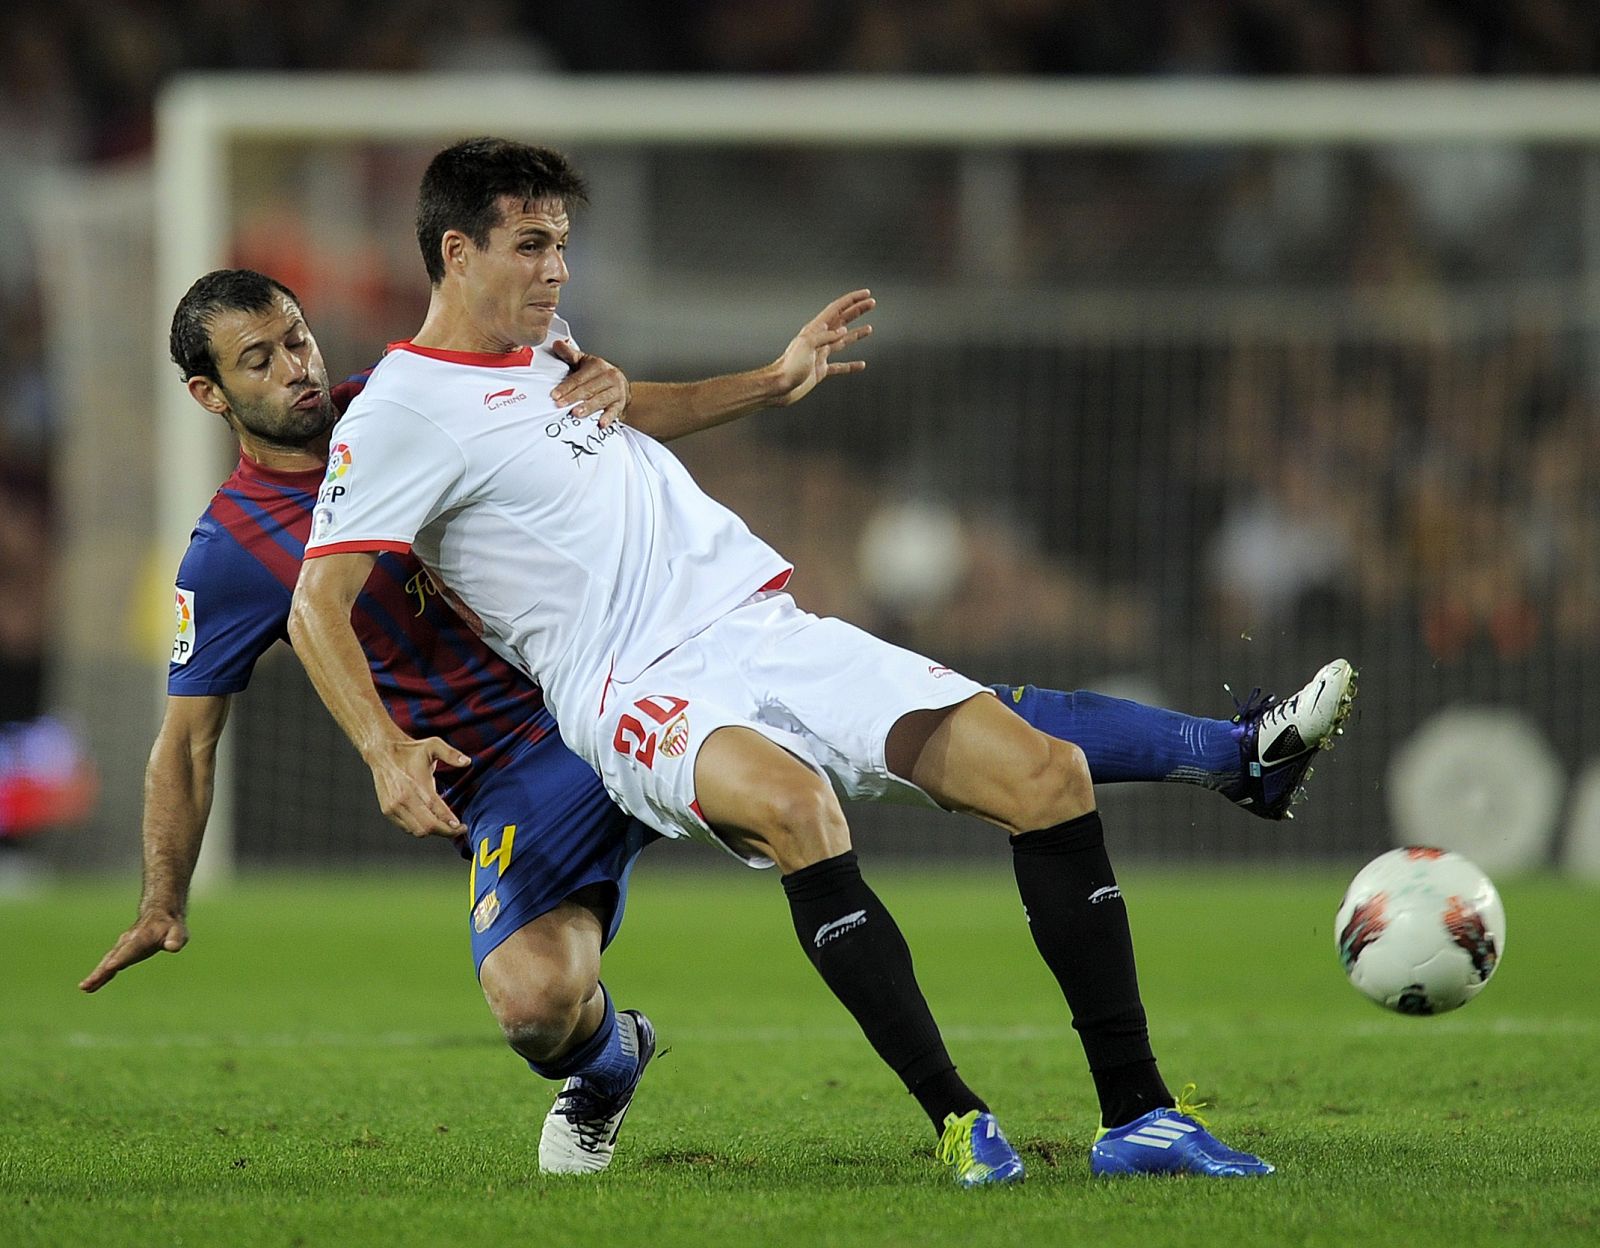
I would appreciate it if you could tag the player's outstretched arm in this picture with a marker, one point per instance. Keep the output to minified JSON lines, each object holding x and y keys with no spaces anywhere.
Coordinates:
{"x":668,"y":411}
{"x":320,"y":630}
{"x":177,"y":802}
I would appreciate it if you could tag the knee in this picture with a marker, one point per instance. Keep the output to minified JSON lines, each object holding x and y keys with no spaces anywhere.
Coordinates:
{"x":803,"y":824}
{"x":538,"y":1019}
{"x":1055,"y":786}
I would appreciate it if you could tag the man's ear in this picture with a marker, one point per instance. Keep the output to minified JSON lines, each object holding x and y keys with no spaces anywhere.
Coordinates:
{"x":208,"y":394}
{"x":453,"y":249}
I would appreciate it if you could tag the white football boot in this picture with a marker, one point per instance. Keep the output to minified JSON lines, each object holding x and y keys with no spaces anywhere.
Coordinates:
{"x":580,"y":1131}
{"x":1279,"y":739}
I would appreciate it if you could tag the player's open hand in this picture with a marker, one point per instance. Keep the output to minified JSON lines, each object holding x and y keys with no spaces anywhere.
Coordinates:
{"x":402,"y":773}
{"x":150,"y":935}
{"x":594,"y":385}
{"x":809,"y":356}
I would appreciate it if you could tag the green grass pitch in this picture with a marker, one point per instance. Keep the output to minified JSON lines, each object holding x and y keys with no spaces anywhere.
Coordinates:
{"x":317,"y":1068}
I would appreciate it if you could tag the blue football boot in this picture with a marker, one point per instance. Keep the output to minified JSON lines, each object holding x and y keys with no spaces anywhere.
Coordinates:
{"x":1170,"y":1141}
{"x":974,"y":1147}
{"x":1279,"y":739}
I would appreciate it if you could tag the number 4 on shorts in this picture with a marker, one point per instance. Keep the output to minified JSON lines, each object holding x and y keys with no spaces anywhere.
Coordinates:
{"x":634,"y":739}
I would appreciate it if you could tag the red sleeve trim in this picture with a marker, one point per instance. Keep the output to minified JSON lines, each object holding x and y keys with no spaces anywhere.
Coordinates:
{"x":777,"y":582}
{"x":370,"y":546}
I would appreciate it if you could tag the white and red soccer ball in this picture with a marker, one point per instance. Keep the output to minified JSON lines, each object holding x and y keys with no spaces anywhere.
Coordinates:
{"x":1420,"y":930}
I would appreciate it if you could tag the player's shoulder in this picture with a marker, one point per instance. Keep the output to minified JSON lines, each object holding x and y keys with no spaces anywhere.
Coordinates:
{"x":408,"y":391}
{"x":393,"y":382}
{"x":255,"y":522}
{"x":254,"y":498}
{"x":346,"y":391}
{"x":216,"y":557}
{"x":212,"y":526}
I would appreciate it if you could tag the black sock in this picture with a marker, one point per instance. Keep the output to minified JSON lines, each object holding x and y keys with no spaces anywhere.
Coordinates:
{"x":1080,"y":924}
{"x":858,"y":950}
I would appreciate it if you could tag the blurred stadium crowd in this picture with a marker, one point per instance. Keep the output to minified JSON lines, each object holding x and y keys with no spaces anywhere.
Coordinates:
{"x":102,"y":62}
{"x":1442,"y":484}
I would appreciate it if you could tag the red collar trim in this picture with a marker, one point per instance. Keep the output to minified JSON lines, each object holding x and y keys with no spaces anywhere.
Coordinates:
{"x":521,"y":357}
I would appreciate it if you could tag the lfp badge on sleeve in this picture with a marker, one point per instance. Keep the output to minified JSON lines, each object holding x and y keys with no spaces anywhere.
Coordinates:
{"x":183,"y":642}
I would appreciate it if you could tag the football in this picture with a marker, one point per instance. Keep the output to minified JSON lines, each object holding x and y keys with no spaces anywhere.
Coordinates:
{"x":1420,"y":930}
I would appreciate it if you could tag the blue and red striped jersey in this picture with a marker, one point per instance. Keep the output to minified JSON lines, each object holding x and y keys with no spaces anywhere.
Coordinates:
{"x":434,"y":675}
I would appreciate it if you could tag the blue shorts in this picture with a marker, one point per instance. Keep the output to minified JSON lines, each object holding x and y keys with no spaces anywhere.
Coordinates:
{"x":540,"y":828}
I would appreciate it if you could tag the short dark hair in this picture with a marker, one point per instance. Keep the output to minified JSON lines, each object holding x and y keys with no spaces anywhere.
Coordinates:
{"x":222,"y":290}
{"x":464,"y":184}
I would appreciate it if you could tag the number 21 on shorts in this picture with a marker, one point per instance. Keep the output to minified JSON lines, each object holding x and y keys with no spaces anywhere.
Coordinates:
{"x":635,"y":740}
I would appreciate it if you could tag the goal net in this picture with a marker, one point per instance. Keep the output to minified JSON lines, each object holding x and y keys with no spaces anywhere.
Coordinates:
{"x":1171,"y":386}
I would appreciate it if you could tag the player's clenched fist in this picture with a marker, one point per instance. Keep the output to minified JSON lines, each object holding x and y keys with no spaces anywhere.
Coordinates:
{"x":149,"y":936}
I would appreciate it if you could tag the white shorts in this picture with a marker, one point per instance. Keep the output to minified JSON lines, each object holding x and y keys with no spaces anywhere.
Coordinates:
{"x":822,"y":689}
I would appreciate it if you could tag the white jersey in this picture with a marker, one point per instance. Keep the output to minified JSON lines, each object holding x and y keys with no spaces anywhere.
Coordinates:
{"x":578,"y":553}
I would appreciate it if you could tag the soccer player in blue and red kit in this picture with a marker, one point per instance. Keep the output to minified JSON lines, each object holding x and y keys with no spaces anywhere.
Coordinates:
{"x":549,"y":853}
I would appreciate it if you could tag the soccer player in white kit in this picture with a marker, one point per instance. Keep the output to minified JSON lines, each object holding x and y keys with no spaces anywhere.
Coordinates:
{"x":708,"y":703}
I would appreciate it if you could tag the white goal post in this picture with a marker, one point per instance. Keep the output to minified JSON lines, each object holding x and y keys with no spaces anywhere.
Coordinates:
{"x":200,"y":117}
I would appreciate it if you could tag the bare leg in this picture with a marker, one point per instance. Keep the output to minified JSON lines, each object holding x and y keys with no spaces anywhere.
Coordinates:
{"x":542,"y":982}
{"x":979,"y":758}
{"x":759,"y":796}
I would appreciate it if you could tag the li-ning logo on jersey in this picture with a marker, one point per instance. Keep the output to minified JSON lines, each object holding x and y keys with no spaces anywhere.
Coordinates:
{"x":338,"y":461}
{"x":503,"y":398}
{"x":836,"y":929}
{"x":183,"y":641}
{"x":1104,"y":894}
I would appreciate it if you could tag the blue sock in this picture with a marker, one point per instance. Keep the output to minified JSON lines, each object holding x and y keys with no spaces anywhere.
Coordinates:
{"x":1126,"y":740}
{"x":602,"y":1061}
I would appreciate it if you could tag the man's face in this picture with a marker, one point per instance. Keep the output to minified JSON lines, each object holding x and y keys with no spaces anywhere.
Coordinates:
{"x":272,"y":381}
{"x":513,"y":282}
